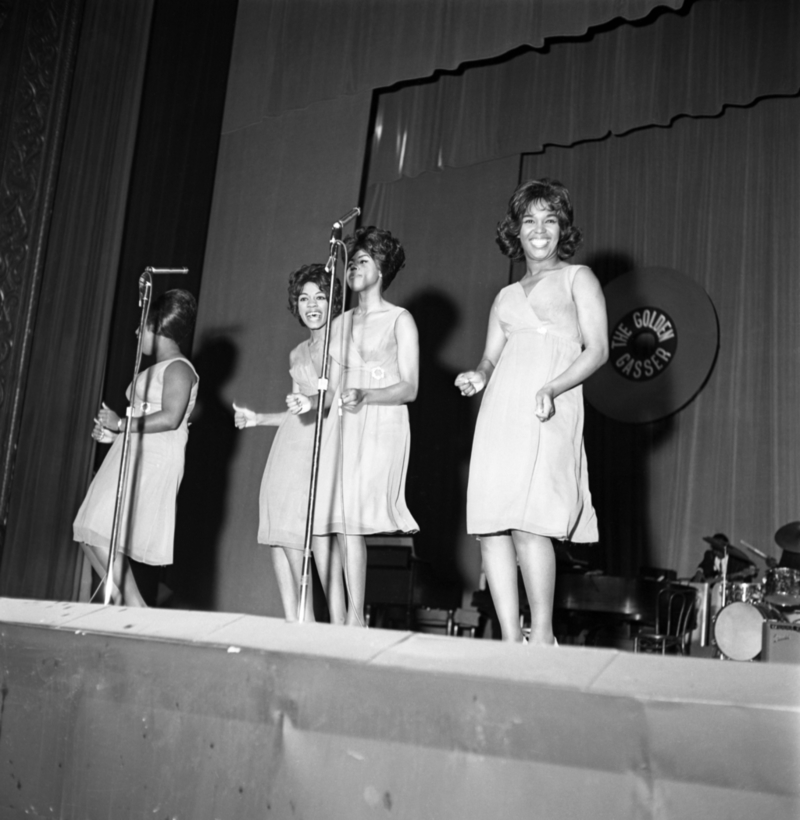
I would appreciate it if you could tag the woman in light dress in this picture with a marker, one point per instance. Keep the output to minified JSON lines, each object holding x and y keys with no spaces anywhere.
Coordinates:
{"x":283,"y":500}
{"x":161,"y":404}
{"x":528,"y":481}
{"x":366,"y":440}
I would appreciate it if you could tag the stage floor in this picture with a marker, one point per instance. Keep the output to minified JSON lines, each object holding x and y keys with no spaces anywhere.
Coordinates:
{"x":118,"y":713}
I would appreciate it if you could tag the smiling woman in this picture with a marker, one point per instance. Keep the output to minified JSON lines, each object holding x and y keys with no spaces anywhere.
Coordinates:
{"x":527,"y":480}
{"x":283,"y":500}
{"x":365,"y":445}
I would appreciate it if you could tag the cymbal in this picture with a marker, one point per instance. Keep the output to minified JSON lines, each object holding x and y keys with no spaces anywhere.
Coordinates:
{"x":788,"y":537}
{"x":734,"y":552}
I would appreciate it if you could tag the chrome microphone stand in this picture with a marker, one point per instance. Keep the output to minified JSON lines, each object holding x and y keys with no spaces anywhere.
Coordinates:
{"x":330,"y":267}
{"x":145,"y":297}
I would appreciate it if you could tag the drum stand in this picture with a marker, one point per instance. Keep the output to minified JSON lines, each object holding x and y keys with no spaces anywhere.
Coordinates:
{"x":722,"y":600}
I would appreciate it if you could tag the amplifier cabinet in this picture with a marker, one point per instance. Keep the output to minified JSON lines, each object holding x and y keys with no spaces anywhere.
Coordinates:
{"x":781,"y":642}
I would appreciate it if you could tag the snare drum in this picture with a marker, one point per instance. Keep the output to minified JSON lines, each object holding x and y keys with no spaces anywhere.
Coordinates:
{"x":782,"y":587}
{"x":746,"y":593}
{"x":738,"y":628}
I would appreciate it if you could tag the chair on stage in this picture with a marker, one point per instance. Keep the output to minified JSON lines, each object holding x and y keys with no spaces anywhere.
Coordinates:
{"x":674,"y":622}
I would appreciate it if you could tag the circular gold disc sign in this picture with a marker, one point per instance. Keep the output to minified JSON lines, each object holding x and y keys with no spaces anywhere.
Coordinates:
{"x":663,"y":339}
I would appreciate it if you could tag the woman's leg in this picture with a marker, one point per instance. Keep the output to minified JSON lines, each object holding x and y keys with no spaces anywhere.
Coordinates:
{"x":286,"y":586}
{"x":295,"y":560}
{"x":329,"y":566}
{"x":124,"y":590}
{"x":537,"y":562}
{"x":500,"y":566}
{"x":98,"y":558}
{"x":354,"y":548}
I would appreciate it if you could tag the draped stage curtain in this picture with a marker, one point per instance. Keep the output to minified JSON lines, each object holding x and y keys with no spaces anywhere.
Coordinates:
{"x":55,"y":451}
{"x":291,"y":160}
{"x":695,"y":63}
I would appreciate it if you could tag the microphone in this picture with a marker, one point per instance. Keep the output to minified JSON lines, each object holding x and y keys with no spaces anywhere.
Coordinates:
{"x":348,"y":217}
{"x":167,"y":270}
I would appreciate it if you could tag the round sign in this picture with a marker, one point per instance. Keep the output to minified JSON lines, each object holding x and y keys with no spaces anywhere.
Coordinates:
{"x":663,"y":339}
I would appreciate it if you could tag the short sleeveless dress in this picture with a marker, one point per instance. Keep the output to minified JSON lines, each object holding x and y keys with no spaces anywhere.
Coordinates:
{"x":283,"y":500}
{"x":155,"y":470}
{"x":525,"y":474}
{"x":364,"y":455}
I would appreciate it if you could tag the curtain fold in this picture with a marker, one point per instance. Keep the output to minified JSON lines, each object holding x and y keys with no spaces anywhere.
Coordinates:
{"x":68,"y":353}
{"x":290,"y":54}
{"x":696,"y":63}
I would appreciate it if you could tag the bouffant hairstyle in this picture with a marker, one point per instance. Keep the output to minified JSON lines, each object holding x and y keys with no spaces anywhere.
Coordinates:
{"x":554,"y":196}
{"x":387,"y":251}
{"x":317,"y":274}
{"x":172,"y":315}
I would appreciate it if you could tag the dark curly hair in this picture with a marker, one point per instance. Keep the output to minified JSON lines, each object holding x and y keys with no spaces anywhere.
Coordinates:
{"x":172,"y":315}
{"x":317,"y":274}
{"x":553,"y":195}
{"x":387,"y":251}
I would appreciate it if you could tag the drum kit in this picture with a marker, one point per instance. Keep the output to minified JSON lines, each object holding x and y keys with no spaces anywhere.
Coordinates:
{"x":742,"y":608}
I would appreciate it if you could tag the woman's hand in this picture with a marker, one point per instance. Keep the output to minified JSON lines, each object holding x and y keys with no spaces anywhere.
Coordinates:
{"x":545,"y":404}
{"x":470,"y":383}
{"x":298,"y":403}
{"x":243,"y":417}
{"x":107,"y":418}
{"x":102,"y":434}
{"x":352,"y":399}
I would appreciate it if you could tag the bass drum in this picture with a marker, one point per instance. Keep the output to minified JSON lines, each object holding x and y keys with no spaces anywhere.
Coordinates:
{"x":738,"y":628}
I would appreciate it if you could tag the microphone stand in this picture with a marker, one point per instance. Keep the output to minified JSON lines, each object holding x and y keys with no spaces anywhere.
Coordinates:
{"x":330,"y":267}
{"x":145,"y":295}
{"x":305,"y":576}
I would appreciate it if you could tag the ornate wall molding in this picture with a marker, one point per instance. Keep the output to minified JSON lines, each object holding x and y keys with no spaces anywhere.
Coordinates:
{"x":36,"y":94}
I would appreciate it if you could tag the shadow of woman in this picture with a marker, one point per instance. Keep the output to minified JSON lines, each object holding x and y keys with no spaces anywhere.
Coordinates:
{"x":201,"y":502}
{"x":441,"y":437}
{"x":620,"y":457}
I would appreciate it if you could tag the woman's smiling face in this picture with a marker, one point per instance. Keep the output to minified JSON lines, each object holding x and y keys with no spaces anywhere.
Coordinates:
{"x":312,"y":306}
{"x":539,"y":233}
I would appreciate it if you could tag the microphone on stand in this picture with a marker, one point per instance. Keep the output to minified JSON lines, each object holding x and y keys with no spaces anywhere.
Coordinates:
{"x":146,"y":280}
{"x":336,"y":230}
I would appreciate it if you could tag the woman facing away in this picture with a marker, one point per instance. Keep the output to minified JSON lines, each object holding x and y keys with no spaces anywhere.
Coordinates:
{"x":160,"y":404}
{"x":528,"y":480}
{"x":366,"y":440}
{"x":283,"y":500}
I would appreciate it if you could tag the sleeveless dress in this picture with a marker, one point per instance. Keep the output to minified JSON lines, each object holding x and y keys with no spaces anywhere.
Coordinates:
{"x":283,"y":500}
{"x":364,"y":455}
{"x":155,"y":470}
{"x":525,"y":474}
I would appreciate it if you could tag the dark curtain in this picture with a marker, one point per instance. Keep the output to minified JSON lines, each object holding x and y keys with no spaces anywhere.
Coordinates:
{"x":292,"y":53}
{"x":697,"y":62}
{"x":68,"y":353}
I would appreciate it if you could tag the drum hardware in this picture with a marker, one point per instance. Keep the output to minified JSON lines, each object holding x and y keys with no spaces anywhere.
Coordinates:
{"x":782,"y":587}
